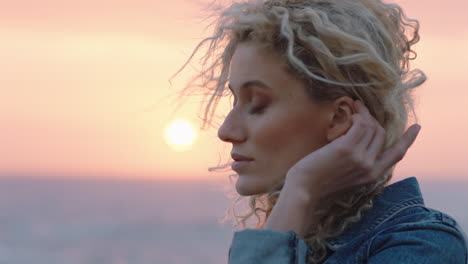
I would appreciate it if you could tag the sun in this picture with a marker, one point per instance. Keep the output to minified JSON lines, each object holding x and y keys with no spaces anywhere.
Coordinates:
{"x":180,"y":134}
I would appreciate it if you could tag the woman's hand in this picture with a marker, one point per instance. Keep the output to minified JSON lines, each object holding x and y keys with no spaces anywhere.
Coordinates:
{"x":352,"y":159}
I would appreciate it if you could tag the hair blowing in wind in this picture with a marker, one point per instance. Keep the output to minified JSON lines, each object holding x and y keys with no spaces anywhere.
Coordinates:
{"x":356,"y":48}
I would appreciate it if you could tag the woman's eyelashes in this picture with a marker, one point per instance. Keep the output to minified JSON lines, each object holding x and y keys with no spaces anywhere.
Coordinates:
{"x":259,"y":105}
{"x":257,"y":109}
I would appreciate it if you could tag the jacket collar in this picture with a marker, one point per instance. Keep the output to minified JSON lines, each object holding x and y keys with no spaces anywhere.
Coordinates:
{"x":394,"y":198}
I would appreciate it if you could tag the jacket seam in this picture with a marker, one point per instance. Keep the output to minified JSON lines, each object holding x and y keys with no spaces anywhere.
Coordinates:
{"x":392,"y":214}
{"x":410,"y":203}
{"x":293,"y":245}
{"x":371,"y":241}
{"x":414,"y":202}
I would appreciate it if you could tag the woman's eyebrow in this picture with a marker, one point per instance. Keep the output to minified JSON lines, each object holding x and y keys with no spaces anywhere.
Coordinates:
{"x":252,"y":83}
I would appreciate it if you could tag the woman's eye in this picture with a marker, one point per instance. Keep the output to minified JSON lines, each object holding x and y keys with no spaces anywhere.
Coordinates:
{"x":257,"y":110}
{"x":259,"y":105}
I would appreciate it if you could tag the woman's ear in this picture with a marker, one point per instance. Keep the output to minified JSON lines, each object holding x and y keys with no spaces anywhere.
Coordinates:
{"x":341,"y":117}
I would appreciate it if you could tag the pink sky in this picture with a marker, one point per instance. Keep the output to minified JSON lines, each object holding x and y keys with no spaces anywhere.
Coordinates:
{"x":77,"y":77}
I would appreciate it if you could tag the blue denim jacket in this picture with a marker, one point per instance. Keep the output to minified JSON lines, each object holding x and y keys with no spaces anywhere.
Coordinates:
{"x":398,"y":229}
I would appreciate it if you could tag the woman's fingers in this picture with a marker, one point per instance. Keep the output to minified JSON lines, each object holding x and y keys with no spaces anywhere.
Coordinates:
{"x":358,"y":133}
{"x":379,"y":139}
{"x":398,"y":151}
{"x":357,"y":130}
{"x":366,"y":139}
{"x":370,"y":125}
{"x":360,"y":107}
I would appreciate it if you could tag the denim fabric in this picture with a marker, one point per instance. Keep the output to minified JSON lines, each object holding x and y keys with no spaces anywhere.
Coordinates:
{"x":398,"y":229}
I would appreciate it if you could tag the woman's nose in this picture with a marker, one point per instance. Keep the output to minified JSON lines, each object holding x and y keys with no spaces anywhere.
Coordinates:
{"x":231,"y":130}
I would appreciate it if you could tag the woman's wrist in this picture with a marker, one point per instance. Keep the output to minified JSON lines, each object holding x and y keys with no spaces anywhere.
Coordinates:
{"x":292,"y":211}
{"x":302,"y":193}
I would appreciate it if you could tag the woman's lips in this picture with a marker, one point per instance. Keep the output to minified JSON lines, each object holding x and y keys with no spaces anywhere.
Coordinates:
{"x":240,"y":164}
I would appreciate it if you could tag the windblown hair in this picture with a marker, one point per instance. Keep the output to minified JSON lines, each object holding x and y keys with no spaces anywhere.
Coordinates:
{"x":355,"y":48}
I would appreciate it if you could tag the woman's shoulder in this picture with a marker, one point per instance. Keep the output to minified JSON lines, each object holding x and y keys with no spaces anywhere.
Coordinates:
{"x":419,"y":235}
{"x":419,"y":215}
{"x":399,"y":211}
{"x":422,"y":218}
{"x":410,"y":232}
{"x":401,"y":227}
{"x":402,"y":204}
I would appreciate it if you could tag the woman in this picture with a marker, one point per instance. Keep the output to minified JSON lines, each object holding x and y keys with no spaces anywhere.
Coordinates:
{"x":321,"y":93}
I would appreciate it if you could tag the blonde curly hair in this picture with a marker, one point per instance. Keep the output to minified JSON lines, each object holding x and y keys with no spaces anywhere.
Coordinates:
{"x":355,"y":48}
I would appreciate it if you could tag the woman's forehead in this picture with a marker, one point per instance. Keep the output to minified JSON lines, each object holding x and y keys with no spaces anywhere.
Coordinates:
{"x":252,"y":65}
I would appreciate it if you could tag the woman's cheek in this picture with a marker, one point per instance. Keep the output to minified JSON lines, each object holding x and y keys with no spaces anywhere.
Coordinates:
{"x":273,"y":132}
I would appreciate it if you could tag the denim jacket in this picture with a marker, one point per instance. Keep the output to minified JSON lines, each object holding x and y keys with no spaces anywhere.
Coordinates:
{"x":398,"y":229}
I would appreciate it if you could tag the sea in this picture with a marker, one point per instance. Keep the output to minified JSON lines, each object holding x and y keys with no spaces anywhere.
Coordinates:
{"x":103,"y":221}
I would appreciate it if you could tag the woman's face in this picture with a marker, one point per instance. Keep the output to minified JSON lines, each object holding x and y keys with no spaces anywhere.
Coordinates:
{"x":273,"y":121}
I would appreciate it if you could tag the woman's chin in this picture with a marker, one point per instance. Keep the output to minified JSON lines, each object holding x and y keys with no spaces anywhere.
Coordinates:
{"x":249,"y":185}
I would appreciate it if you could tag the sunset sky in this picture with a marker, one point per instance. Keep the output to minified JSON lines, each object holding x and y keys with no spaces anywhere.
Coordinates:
{"x":84,"y":90}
